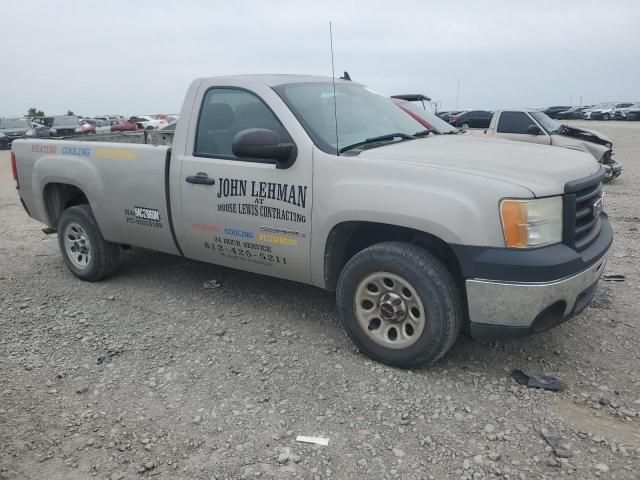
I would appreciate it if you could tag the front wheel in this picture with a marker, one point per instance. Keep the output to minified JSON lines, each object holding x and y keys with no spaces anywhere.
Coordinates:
{"x":399,"y":304}
{"x":606,"y":116}
{"x":85,"y":251}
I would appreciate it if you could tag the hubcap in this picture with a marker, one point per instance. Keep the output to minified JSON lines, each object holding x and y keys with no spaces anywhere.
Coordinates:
{"x":77,"y":246}
{"x":389,"y":310}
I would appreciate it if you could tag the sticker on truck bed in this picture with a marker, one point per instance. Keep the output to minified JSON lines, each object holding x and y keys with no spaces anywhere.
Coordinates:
{"x":117,"y":154}
{"x":149,"y":217}
{"x":44,"y":148}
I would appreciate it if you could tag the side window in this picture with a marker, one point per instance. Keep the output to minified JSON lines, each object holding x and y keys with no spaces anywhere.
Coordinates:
{"x":514,"y":122}
{"x":224,"y":113}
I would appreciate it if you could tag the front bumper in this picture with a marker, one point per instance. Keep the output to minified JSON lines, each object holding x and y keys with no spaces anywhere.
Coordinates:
{"x":515,"y":293}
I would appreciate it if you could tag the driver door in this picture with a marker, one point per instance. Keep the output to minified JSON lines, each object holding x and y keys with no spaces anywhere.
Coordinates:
{"x":237,"y":212}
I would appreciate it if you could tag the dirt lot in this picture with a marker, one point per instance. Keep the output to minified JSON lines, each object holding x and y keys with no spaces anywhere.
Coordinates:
{"x":150,"y":374}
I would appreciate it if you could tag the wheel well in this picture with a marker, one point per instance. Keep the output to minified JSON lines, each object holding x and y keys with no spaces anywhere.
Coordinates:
{"x":348,"y":238}
{"x":60,"y":196}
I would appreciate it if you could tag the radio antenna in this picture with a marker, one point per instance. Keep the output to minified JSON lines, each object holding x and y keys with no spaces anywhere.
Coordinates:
{"x":333,"y":78}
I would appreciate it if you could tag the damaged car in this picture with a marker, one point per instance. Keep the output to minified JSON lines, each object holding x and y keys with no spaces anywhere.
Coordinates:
{"x":534,"y":126}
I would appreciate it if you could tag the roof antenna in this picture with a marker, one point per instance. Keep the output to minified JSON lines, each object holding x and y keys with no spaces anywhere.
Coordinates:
{"x":345,"y":76}
{"x":333,"y":78}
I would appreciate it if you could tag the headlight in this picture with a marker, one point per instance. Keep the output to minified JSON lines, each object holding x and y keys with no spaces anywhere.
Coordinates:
{"x":531,"y":223}
{"x":53,"y":130}
{"x":29,"y":133}
{"x":2,"y":135}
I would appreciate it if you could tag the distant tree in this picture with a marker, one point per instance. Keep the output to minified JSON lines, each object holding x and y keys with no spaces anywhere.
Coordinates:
{"x":70,"y":113}
{"x":34,"y":112}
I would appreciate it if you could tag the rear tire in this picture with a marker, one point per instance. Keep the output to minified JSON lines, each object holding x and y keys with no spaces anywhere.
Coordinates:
{"x":606,"y":116}
{"x":85,"y":251}
{"x":399,"y":304}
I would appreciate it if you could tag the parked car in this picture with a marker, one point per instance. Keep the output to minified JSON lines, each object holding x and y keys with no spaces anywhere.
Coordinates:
{"x":446,"y":115}
{"x":425,"y":117}
{"x":622,"y":113}
{"x":66,"y":125}
{"x":41,"y":131}
{"x":604,"y":111}
{"x":123,"y":126}
{"x":552,"y":111}
{"x":471,"y":119}
{"x":419,"y":236}
{"x":533,"y":126}
{"x":633,"y":112}
{"x":572,"y":113}
{"x":148,"y":122}
{"x":14,"y":128}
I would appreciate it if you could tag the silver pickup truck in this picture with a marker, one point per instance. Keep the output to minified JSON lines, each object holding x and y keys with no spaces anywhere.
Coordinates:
{"x":334,"y":186}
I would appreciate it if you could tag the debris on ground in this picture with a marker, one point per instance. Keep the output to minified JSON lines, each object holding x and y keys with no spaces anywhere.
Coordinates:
{"x":316,"y":440}
{"x":559,"y":448}
{"x":614,"y":277}
{"x":537,"y":380}
{"x":108,"y":357}
{"x":211,"y":284}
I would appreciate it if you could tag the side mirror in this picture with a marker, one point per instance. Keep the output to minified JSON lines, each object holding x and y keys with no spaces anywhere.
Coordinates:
{"x":534,"y":130}
{"x":264,"y":144}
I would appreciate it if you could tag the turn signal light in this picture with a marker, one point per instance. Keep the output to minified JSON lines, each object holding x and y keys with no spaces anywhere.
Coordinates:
{"x":514,"y":222}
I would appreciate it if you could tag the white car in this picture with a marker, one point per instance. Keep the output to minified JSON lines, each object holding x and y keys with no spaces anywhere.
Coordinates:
{"x":604,"y":111}
{"x":148,"y":122}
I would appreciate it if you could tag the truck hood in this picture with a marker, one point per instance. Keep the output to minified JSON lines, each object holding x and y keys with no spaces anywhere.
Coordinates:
{"x":542,"y":169}
{"x":584,"y":134}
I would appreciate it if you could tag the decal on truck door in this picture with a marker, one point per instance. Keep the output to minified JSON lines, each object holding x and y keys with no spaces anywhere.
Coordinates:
{"x":258,"y":192}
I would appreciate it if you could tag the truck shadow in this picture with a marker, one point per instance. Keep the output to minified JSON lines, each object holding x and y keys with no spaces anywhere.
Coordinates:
{"x":307,"y":308}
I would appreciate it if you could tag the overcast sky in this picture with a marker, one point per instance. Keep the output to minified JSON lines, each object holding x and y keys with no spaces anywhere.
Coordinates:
{"x":136,"y":57}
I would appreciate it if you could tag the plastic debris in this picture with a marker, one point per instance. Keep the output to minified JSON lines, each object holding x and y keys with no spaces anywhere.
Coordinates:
{"x":108,"y":357}
{"x":537,"y":380}
{"x":560,"y":449}
{"x":316,"y":440}
{"x":210,"y":284}
{"x":613,"y":277}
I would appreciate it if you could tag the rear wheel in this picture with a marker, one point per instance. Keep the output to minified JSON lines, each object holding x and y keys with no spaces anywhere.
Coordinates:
{"x":399,"y":304}
{"x":85,"y":251}
{"x":606,"y":116}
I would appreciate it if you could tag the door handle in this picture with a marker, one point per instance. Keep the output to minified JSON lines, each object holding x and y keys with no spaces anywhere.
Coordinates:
{"x":200,"y":178}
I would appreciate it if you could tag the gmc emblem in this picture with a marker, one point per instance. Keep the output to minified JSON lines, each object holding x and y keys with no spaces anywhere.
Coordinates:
{"x":598,"y":205}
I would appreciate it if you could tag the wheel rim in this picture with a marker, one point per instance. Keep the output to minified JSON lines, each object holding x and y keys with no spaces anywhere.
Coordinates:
{"x":77,"y":245}
{"x":389,"y":310}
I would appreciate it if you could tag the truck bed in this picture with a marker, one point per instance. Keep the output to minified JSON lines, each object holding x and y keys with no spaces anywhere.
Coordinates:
{"x":146,"y":137}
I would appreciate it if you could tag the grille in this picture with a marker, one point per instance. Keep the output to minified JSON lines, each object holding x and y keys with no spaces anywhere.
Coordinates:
{"x":582,"y":221}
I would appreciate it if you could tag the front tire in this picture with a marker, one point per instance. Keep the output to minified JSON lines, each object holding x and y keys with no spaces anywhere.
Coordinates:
{"x":399,"y":304}
{"x":84,"y":250}
{"x":606,"y":116}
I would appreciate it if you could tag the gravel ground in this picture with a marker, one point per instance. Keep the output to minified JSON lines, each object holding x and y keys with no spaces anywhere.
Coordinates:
{"x":151,"y":374}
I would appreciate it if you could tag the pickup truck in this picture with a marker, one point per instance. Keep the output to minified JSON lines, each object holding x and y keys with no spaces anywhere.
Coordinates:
{"x":420,"y":236}
{"x":534,"y":126}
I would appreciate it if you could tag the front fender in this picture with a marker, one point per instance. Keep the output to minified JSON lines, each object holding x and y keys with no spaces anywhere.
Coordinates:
{"x":458,"y":208}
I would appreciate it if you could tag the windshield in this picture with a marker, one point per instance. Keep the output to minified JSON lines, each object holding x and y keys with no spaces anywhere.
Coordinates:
{"x":550,"y":125}
{"x":13,"y":123}
{"x":65,"y":122}
{"x":361,"y":114}
{"x":431,"y":118}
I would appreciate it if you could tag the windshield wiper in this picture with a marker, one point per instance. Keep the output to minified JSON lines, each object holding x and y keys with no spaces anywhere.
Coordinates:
{"x":381,"y":138}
